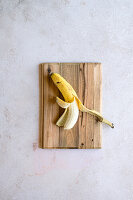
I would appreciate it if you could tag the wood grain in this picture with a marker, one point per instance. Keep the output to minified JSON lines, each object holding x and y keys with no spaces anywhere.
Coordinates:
{"x":86,"y":79}
{"x":41,"y":89}
{"x":86,"y":95}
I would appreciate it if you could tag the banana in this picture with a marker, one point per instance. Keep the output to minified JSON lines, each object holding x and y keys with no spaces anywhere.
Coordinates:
{"x":72,"y":104}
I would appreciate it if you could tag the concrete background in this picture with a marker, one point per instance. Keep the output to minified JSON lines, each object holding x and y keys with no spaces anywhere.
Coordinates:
{"x":32,"y":32}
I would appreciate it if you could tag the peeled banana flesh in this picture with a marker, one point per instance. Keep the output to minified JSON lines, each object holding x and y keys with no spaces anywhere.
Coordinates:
{"x":70,"y":115}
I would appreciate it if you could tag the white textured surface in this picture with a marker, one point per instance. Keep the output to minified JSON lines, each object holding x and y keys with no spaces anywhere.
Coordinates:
{"x":32,"y":32}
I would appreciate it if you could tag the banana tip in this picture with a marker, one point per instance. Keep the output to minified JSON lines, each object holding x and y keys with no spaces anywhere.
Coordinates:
{"x":112,"y":125}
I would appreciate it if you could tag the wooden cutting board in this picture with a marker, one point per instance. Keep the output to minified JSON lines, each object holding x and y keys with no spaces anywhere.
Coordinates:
{"x":86,"y":79}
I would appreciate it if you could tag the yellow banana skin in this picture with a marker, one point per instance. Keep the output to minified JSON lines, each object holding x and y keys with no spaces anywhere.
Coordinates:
{"x":69,"y":94}
{"x":64,"y":87}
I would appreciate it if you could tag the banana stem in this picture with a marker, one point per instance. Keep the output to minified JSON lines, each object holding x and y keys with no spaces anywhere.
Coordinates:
{"x":49,"y":72}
